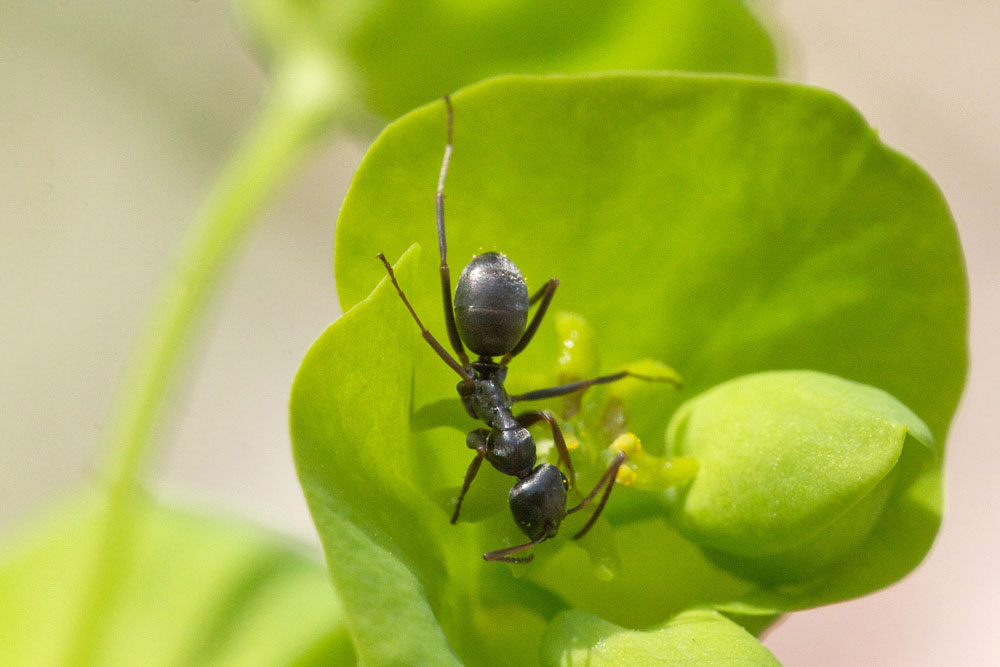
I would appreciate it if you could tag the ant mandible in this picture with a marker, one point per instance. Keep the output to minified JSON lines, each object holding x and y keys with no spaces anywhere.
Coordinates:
{"x":490,"y":316}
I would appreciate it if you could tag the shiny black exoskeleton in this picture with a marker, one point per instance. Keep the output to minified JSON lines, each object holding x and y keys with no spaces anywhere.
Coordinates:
{"x":490,"y":317}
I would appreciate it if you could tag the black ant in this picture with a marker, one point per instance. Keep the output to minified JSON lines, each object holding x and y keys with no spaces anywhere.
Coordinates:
{"x":490,"y":316}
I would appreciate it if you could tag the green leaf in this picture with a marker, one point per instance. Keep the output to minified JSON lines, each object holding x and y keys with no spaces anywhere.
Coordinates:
{"x":720,"y":225}
{"x":356,"y":468}
{"x":755,"y":225}
{"x":697,"y":637}
{"x":796,"y":468}
{"x":401,"y":569}
{"x":399,"y":54}
{"x":661,"y":573}
{"x":200,"y":590}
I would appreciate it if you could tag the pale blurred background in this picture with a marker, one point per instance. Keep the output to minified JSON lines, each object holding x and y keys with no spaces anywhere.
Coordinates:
{"x":114,"y":117}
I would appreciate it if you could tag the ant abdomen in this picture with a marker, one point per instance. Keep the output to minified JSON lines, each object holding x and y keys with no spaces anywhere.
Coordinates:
{"x":491,"y":304}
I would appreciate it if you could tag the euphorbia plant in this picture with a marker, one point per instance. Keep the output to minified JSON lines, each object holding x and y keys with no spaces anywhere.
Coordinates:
{"x":755,"y":235}
{"x":738,"y":230}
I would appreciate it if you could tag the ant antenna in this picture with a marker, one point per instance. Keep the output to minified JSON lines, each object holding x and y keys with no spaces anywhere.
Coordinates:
{"x":503,"y":555}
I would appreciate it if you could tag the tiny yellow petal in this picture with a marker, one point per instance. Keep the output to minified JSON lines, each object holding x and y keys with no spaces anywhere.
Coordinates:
{"x":627,"y":443}
{"x":626,"y":476}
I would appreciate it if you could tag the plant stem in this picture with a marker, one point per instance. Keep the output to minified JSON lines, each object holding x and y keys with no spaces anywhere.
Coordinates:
{"x":304,"y":101}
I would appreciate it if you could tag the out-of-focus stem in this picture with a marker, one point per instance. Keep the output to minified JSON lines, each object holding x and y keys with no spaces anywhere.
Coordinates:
{"x":305,"y":100}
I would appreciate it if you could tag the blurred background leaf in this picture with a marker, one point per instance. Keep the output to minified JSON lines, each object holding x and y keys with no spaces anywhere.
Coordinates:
{"x":402,"y":54}
{"x":201,"y":590}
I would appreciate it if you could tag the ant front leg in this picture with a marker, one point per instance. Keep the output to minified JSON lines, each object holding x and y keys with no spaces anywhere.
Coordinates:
{"x":528,"y":419}
{"x":477,"y":441}
{"x":608,"y":481}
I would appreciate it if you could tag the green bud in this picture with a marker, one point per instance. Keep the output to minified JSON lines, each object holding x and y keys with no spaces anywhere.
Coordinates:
{"x":795,"y":469}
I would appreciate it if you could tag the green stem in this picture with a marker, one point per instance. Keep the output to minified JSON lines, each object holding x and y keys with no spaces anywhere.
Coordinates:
{"x":304,"y":101}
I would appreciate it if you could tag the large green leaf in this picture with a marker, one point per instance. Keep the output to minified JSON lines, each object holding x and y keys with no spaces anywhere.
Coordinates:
{"x":722,"y":225}
{"x":197,"y":590}
{"x":376,"y":524}
{"x":399,"y":53}
{"x":754,"y":224}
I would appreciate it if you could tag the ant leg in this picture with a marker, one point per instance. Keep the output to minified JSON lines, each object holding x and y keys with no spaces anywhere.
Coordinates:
{"x":449,"y":311}
{"x":608,"y":481}
{"x":477,"y":441}
{"x":541,"y":292}
{"x":504,"y":554}
{"x":448,"y":359}
{"x":564,"y":389}
{"x":546,"y":293}
{"x":528,"y":419}
{"x":469,"y":476}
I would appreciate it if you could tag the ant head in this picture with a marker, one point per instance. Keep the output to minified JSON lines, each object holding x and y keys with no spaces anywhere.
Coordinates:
{"x":491,"y":304}
{"x":538,"y":502}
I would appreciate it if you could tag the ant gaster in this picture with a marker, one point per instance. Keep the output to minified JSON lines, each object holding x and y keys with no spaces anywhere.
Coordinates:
{"x":490,"y":317}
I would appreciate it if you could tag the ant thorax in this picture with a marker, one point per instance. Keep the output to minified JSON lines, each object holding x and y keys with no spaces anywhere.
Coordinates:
{"x":491,"y":404}
{"x":485,"y":398}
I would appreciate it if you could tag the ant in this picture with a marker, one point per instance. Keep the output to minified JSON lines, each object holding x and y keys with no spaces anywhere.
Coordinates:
{"x":490,"y":316}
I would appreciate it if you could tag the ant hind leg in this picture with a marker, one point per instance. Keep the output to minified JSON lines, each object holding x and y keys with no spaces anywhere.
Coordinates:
{"x":449,"y":313}
{"x":546,"y":293}
{"x":431,"y":340}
